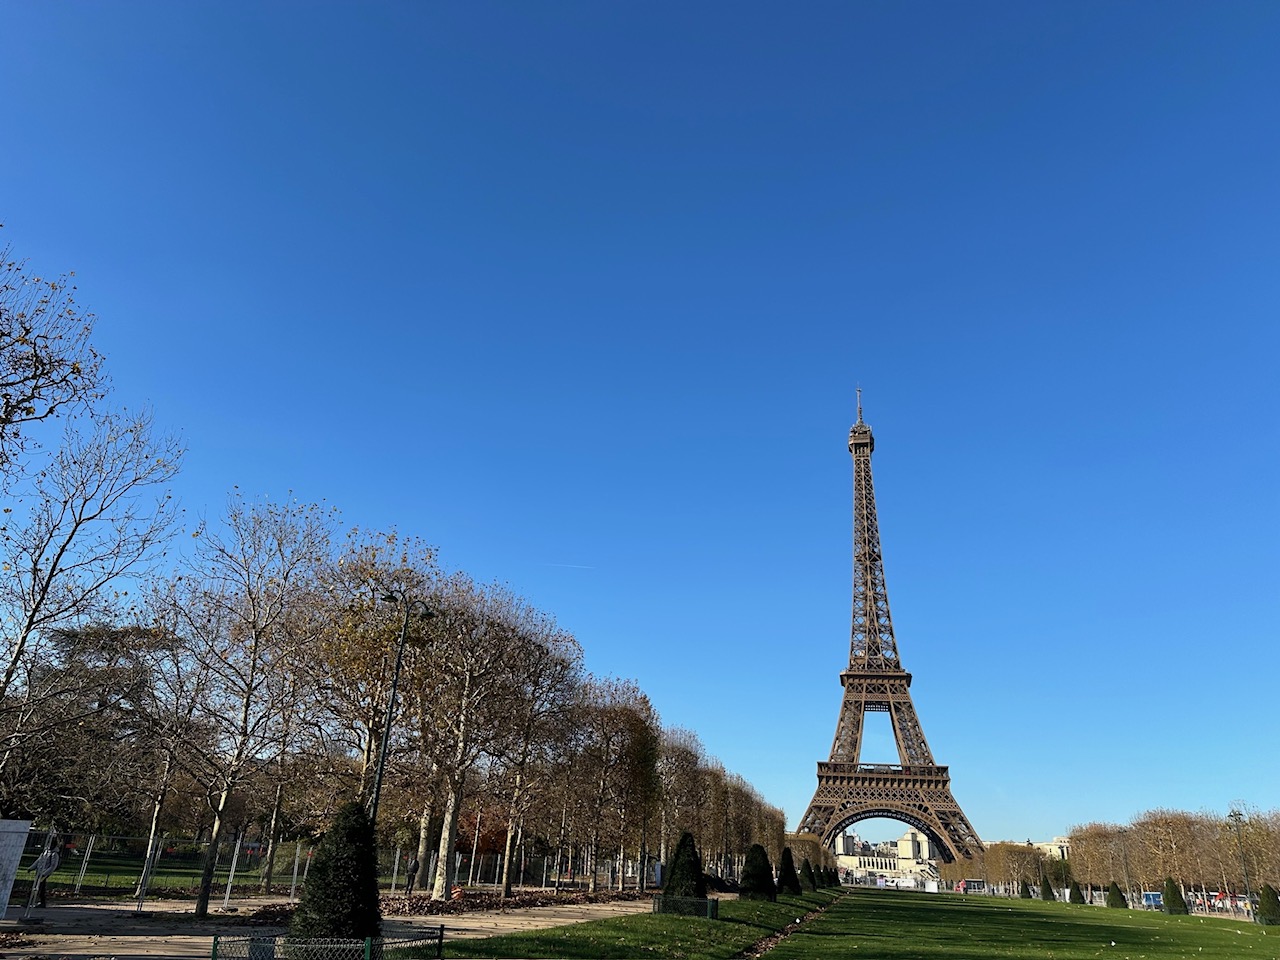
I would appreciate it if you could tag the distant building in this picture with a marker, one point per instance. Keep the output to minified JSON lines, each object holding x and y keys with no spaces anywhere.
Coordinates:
{"x":1059,"y":848}
{"x":850,"y":844}
{"x":908,"y":860}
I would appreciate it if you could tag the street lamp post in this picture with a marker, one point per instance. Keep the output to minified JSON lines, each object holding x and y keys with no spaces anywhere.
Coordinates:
{"x":393,"y":596}
{"x":1237,"y":818}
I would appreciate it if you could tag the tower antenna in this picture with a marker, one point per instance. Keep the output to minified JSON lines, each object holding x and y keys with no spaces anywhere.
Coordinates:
{"x":859,"y":391}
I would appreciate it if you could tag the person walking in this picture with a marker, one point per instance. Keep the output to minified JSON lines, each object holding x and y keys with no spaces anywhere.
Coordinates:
{"x":411,"y":875}
{"x":45,"y":865}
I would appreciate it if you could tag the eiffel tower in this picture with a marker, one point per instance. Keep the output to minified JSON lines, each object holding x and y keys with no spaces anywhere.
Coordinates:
{"x":917,"y":791}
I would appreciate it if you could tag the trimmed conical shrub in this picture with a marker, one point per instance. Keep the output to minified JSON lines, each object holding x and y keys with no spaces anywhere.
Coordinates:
{"x":1024,"y":891}
{"x":807,"y":879}
{"x":1268,"y":906}
{"x":683,"y":875}
{"x":1046,"y":889}
{"x":1115,"y":898}
{"x":340,"y":898}
{"x":1076,"y":895}
{"x":788,"y":882}
{"x":757,"y":876}
{"x":1174,"y":903}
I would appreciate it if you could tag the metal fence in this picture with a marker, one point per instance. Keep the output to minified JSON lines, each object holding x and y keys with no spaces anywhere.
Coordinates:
{"x":688,"y":906}
{"x":105,"y":865}
{"x":371,"y":948}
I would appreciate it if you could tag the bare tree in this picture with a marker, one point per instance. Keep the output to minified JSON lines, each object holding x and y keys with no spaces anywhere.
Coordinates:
{"x":1093,"y":854}
{"x":47,"y":365}
{"x":89,"y":521}
{"x":610,"y":712}
{"x":1161,"y":846}
{"x":551,"y":670}
{"x":465,"y":688}
{"x":682,"y":756}
{"x":1011,"y":863}
{"x":177,"y":682}
{"x":247,"y":609}
{"x":353,"y":661}
{"x":637,"y":790}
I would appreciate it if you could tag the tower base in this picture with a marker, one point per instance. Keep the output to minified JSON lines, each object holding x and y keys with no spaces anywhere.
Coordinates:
{"x":918,"y":795}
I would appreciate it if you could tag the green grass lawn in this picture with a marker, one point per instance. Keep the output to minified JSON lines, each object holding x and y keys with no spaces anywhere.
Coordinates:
{"x":897,"y":925}
{"x":741,"y":923}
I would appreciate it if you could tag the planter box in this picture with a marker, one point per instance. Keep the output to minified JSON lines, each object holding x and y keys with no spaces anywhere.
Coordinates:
{"x":429,"y":944}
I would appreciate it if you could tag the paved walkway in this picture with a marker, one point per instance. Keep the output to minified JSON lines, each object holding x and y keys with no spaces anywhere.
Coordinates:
{"x":114,"y":932}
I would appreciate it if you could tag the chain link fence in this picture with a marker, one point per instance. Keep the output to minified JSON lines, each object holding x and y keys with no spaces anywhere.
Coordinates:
{"x":108,"y":865}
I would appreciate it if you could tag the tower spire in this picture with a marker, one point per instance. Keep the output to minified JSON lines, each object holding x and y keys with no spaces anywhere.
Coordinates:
{"x":859,"y":391}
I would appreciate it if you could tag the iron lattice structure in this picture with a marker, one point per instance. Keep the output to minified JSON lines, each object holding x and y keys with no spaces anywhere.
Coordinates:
{"x":917,"y":791}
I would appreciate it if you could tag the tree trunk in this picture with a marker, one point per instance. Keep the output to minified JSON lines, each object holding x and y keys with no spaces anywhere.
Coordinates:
{"x":211,"y":856}
{"x":644,"y":852}
{"x":448,"y":834}
{"x":507,"y":856}
{"x":157,"y":803}
{"x":424,"y":839}
{"x":367,"y":753}
{"x":269,"y":868}
{"x":564,"y":818}
{"x":512,"y":818}
{"x":662,"y":840}
{"x":593,"y":885}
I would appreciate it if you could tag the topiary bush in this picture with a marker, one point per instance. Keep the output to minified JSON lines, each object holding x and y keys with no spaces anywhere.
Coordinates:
{"x":807,"y":879}
{"x":1046,"y":889}
{"x":757,"y":876}
{"x":1174,"y":903}
{"x":1268,"y":906}
{"x":683,"y":877}
{"x":1024,"y":891}
{"x":340,"y":898}
{"x":1076,"y":895}
{"x":1115,"y":898}
{"x":788,"y":882}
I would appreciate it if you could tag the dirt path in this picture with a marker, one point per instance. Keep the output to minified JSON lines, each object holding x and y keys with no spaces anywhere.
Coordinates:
{"x":112,"y":932}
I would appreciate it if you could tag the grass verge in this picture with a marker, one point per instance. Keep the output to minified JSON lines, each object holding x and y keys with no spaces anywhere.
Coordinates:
{"x":741,"y":923}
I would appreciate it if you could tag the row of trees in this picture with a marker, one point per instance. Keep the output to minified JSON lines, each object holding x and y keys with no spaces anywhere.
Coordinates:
{"x":242,"y":683}
{"x":1200,"y":851}
{"x":252,"y":690}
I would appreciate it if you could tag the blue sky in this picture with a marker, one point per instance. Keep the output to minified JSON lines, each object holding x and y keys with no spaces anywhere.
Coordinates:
{"x":581,"y":292}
